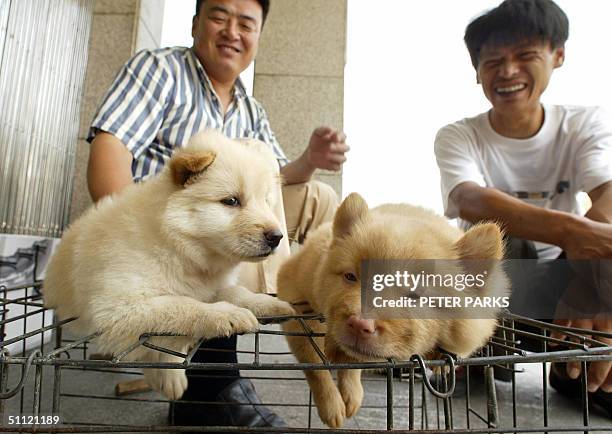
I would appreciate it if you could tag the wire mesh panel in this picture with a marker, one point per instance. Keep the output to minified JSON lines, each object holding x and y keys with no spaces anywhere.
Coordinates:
{"x":92,"y":392}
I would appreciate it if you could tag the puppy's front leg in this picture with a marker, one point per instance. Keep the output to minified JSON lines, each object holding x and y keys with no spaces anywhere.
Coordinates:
{"x":172,"y":383}
{"x":259,"y":304}
{"x":349,"y":383}
{"x":174,"y":314}
{"x":349,"y":380}
{"x":327,"y":398}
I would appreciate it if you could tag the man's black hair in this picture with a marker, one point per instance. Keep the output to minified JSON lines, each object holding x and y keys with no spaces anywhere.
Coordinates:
{"x":515,"y":21}
{"x":265,"y":7}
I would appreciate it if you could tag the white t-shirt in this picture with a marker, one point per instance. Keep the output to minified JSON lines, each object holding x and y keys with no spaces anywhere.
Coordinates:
{"x":571,"y":153}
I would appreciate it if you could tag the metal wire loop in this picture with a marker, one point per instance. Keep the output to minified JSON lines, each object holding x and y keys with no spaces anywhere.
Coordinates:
{"x":451,"y":364}
{"x":26,"y":371}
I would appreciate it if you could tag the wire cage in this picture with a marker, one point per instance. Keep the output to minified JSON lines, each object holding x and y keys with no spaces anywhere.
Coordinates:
{"x":63,"y":377}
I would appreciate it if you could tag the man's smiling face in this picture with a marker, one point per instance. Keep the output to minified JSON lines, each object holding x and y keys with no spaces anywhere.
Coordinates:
{"x":514,"y":77}
{"x":226,"y":36}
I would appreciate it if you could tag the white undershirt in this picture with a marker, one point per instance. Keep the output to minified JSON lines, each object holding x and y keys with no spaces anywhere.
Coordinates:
{"x":572,"y":152}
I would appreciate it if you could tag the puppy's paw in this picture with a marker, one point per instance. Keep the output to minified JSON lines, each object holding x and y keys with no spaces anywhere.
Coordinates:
{"x":331,"y":408}
{"x":227,"y":319}
{"x":266,"y":305}
{"x":171,"y":383}
{"x":352,"y":395}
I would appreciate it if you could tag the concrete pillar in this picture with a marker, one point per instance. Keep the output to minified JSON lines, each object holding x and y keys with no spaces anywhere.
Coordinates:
{"x":299,"y":72}
{"x":120,"y":28}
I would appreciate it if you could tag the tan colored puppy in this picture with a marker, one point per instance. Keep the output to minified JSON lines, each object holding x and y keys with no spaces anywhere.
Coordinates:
{"x":162,"y":256}
{"x":326,"y":274}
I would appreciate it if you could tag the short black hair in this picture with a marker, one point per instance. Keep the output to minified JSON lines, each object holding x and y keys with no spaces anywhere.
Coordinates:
{"x":265,"y":8}
{"x":514,"y":21}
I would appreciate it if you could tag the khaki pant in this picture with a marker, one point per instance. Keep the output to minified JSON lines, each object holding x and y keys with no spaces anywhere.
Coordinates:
{"x":300,"y":209}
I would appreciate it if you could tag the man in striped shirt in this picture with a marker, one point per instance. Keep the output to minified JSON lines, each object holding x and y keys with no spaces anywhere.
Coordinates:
{"x":161,"y":98}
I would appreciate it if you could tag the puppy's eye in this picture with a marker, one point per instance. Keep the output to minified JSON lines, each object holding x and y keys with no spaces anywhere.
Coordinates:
{"x":231,"y":201}
{"x":350,"y":277}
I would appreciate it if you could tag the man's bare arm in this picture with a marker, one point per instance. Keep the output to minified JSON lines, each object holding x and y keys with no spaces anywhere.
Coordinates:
{"x":522,"y":220}
{"x":601,"y":197}
{"x":297,"y":171}
{"x":580,"y":237}
{"x":325,"y":150}
{"x":110,"y":166}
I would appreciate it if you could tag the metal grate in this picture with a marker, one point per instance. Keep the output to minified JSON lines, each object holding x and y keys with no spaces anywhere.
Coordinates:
{"x":61,"y":378}
{"x":43,"y":58}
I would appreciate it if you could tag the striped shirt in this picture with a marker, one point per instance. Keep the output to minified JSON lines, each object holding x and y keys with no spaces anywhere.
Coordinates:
{"x":162,"y":97}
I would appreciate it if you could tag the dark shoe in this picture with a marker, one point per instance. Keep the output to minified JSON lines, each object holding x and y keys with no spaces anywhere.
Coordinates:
{"x":599,"y":401}
{"x":236,"y":405}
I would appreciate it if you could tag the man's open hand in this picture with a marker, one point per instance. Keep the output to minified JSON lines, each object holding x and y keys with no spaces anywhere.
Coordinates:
{"x":599,"y":373}
{"x":326,"y":149}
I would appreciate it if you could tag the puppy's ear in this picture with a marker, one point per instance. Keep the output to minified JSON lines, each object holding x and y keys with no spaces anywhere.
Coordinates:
{"x":185,"y":165}
{"x":483,"y":241}
{"x":480,"y":251}
{"x":353,"y":209}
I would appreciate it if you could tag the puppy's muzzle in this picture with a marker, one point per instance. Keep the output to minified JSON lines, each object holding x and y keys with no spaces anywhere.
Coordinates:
{"x":273,"y":238}
{"x":362,"y":329}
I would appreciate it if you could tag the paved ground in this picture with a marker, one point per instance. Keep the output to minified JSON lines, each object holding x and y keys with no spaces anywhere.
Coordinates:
{"x":88,"y":397}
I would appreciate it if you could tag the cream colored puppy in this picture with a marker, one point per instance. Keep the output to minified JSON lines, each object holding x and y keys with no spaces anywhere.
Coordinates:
{"x":163,"y":255}
{"x":326,"y":274}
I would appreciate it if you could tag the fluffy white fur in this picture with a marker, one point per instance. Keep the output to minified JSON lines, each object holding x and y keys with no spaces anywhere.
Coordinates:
{"x":162,"y":256}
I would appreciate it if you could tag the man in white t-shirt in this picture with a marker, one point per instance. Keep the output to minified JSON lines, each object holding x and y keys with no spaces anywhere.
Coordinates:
{"x":522,"y":163}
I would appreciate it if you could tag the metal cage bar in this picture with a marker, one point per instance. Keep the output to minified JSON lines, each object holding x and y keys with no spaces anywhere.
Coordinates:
{"x":62,"y":359}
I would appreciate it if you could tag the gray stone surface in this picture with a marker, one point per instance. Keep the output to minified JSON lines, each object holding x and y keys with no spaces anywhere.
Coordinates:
{"x":299,"y":72}
{"x":110,"y":46}
{"x":304,"y":38}
{"x":115,"y":6}
{"x":296,"y":106}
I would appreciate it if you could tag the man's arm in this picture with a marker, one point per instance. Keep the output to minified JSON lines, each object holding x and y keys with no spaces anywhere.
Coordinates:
{"x":580,"y":237}
{"x":110,"y":166}
{"x":601,"y":198}
{"x":520,"y":219}
{"x":325,"y":150}
{"x":297,"y":171}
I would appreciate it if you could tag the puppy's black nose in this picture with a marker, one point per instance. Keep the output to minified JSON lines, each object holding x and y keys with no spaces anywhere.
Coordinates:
{"x":273,"y":237}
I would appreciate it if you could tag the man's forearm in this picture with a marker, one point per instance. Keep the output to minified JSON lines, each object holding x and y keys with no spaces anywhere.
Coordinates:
{"x":297,"y":171}
{"x":518,"y":218}
{"x":601,"y":197}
